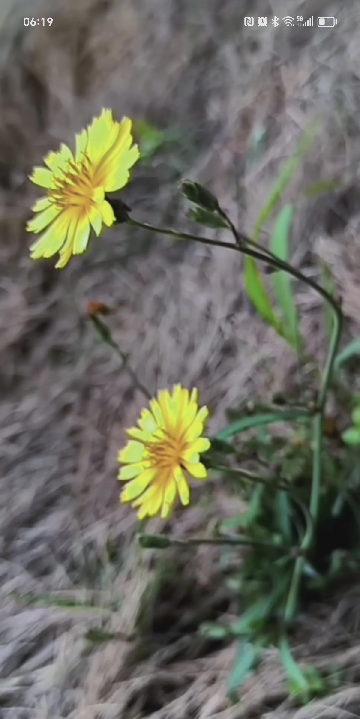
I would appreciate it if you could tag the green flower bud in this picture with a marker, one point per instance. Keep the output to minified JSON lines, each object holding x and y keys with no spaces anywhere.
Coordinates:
{"x":199,"y":195}
{"x":154,"y":541}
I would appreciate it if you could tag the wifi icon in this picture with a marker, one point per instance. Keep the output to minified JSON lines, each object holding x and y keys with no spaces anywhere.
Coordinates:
{"x":289,"y":21}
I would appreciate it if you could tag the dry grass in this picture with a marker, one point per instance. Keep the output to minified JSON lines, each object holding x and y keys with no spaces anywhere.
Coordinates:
{"x":179,"y":312}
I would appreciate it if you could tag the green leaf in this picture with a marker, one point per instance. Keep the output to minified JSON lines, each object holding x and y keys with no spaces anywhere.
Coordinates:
{"x":245,"y":423}
{"x":261,"y":610}
{"x":212,"y":630}
{"x":207,"y":218}
{"x":356,"y":416}
{"x":353,"y":348}
{"x":96,"y":635}
{"x":297,"y":681}
{"x":257,"y":294}
{"x":351,"y":436}
{"x":283,"y":180}
{"x":279,"y":246}
{"x":151,"y":138}
{"x":252,"y":280}
{"x":283,"y":514}
{"x":246,"y":659}
{"x":322,"y":187}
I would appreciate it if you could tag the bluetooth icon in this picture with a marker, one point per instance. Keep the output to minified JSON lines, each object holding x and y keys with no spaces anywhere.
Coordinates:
{"x":275,"y":21}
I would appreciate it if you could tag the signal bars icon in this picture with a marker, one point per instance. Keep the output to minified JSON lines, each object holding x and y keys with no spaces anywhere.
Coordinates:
{"x":309,"y":22}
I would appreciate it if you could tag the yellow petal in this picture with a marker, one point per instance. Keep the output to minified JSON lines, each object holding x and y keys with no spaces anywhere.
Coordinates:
{"x":147,"y":421}
{"x":180,"y":399}
{"x":200,"y":445}
{"x":41,"y":176}
{"x":102,"y":134}
{"x":80,"y":145}
{"x":182,"y":486}
{"x":107,"y":213}
{"x":52,"y":240}
{"x":43,"y":219}
{"x":168,"y":499}
{"x":154,"y":504}
{"x":136,"y":433}
{"x":190,"y":455}
{"x":64,"y":156}
{"x":133,"y":452}
{"x":196,"y":470}
{"x":117,"y":169}
{"x":136,"y":486}
{"x":81,"y":236}
{"x":167,"y":409}
{"x":67,"y":249}
{"x":95,"y":219}
{"x":42,"y":204}
{"x":98,"y":194}
{"x":146,"y":497}
{"x":56,"y":161}
{"x":156,"y":411}
{"x":129,"y":471}
{"x":197,"y":426}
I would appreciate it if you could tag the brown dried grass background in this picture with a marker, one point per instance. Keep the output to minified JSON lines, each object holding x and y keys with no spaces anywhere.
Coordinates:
{"x":181,"y":315}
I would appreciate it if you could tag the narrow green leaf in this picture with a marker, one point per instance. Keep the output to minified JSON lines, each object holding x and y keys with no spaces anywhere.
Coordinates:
{"x":329,"y":286}
{"x":283,"y":514}
{"x":252,"y":280}
{"x":245,"y":660}
{"x":254,"y":506}
{"x":212,"y":630}
{"x":322,"y":187}
{"x":279,"y":246}
{"x":356,"y":416}
{"x":96,"y":635}
{"x":257,"y":294}
{"x":351,"y":436}
{"x":260,"y":611}
{"x":297,"y":681}
{"x":283,"y":180}
{"x":245,"y":423}
{"x":207,"y":218}
{"x":353,"y":348}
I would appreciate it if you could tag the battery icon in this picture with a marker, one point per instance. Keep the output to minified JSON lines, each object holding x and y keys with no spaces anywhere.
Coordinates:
{"x":327,"y":21}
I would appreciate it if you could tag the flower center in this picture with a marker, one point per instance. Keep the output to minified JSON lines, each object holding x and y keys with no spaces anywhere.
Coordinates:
{"x":75,"y":186}
{"x":166,"y":451}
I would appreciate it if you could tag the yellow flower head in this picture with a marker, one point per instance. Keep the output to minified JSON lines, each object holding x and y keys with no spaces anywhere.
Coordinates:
{"x":76,"y":186}
{"x":166,"y":442}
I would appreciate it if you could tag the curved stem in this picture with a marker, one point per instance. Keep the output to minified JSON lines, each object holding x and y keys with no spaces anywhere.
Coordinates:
{"x":159,"y":541}
{"x":261,"y":255}
{"x":250,"y":477}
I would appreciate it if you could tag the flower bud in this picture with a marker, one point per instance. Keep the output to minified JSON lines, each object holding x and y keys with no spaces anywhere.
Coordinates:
{"x":120,"y":209}
{"x":199,"y":195}
{"x":154,"y":541}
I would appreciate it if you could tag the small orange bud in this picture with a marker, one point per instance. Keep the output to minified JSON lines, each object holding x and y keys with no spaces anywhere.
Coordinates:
{"x":98,"y":308}
{"x":330,"y":427}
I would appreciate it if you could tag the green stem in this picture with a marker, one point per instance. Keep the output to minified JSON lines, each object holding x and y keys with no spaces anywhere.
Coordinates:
{"x":161,"y":542}
{"x":107,"y":337}
{"x":250,"y":477}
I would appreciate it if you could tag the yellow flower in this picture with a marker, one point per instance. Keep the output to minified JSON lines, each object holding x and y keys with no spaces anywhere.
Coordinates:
{"x":166,"y":442}
{"x":76,"y":186}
